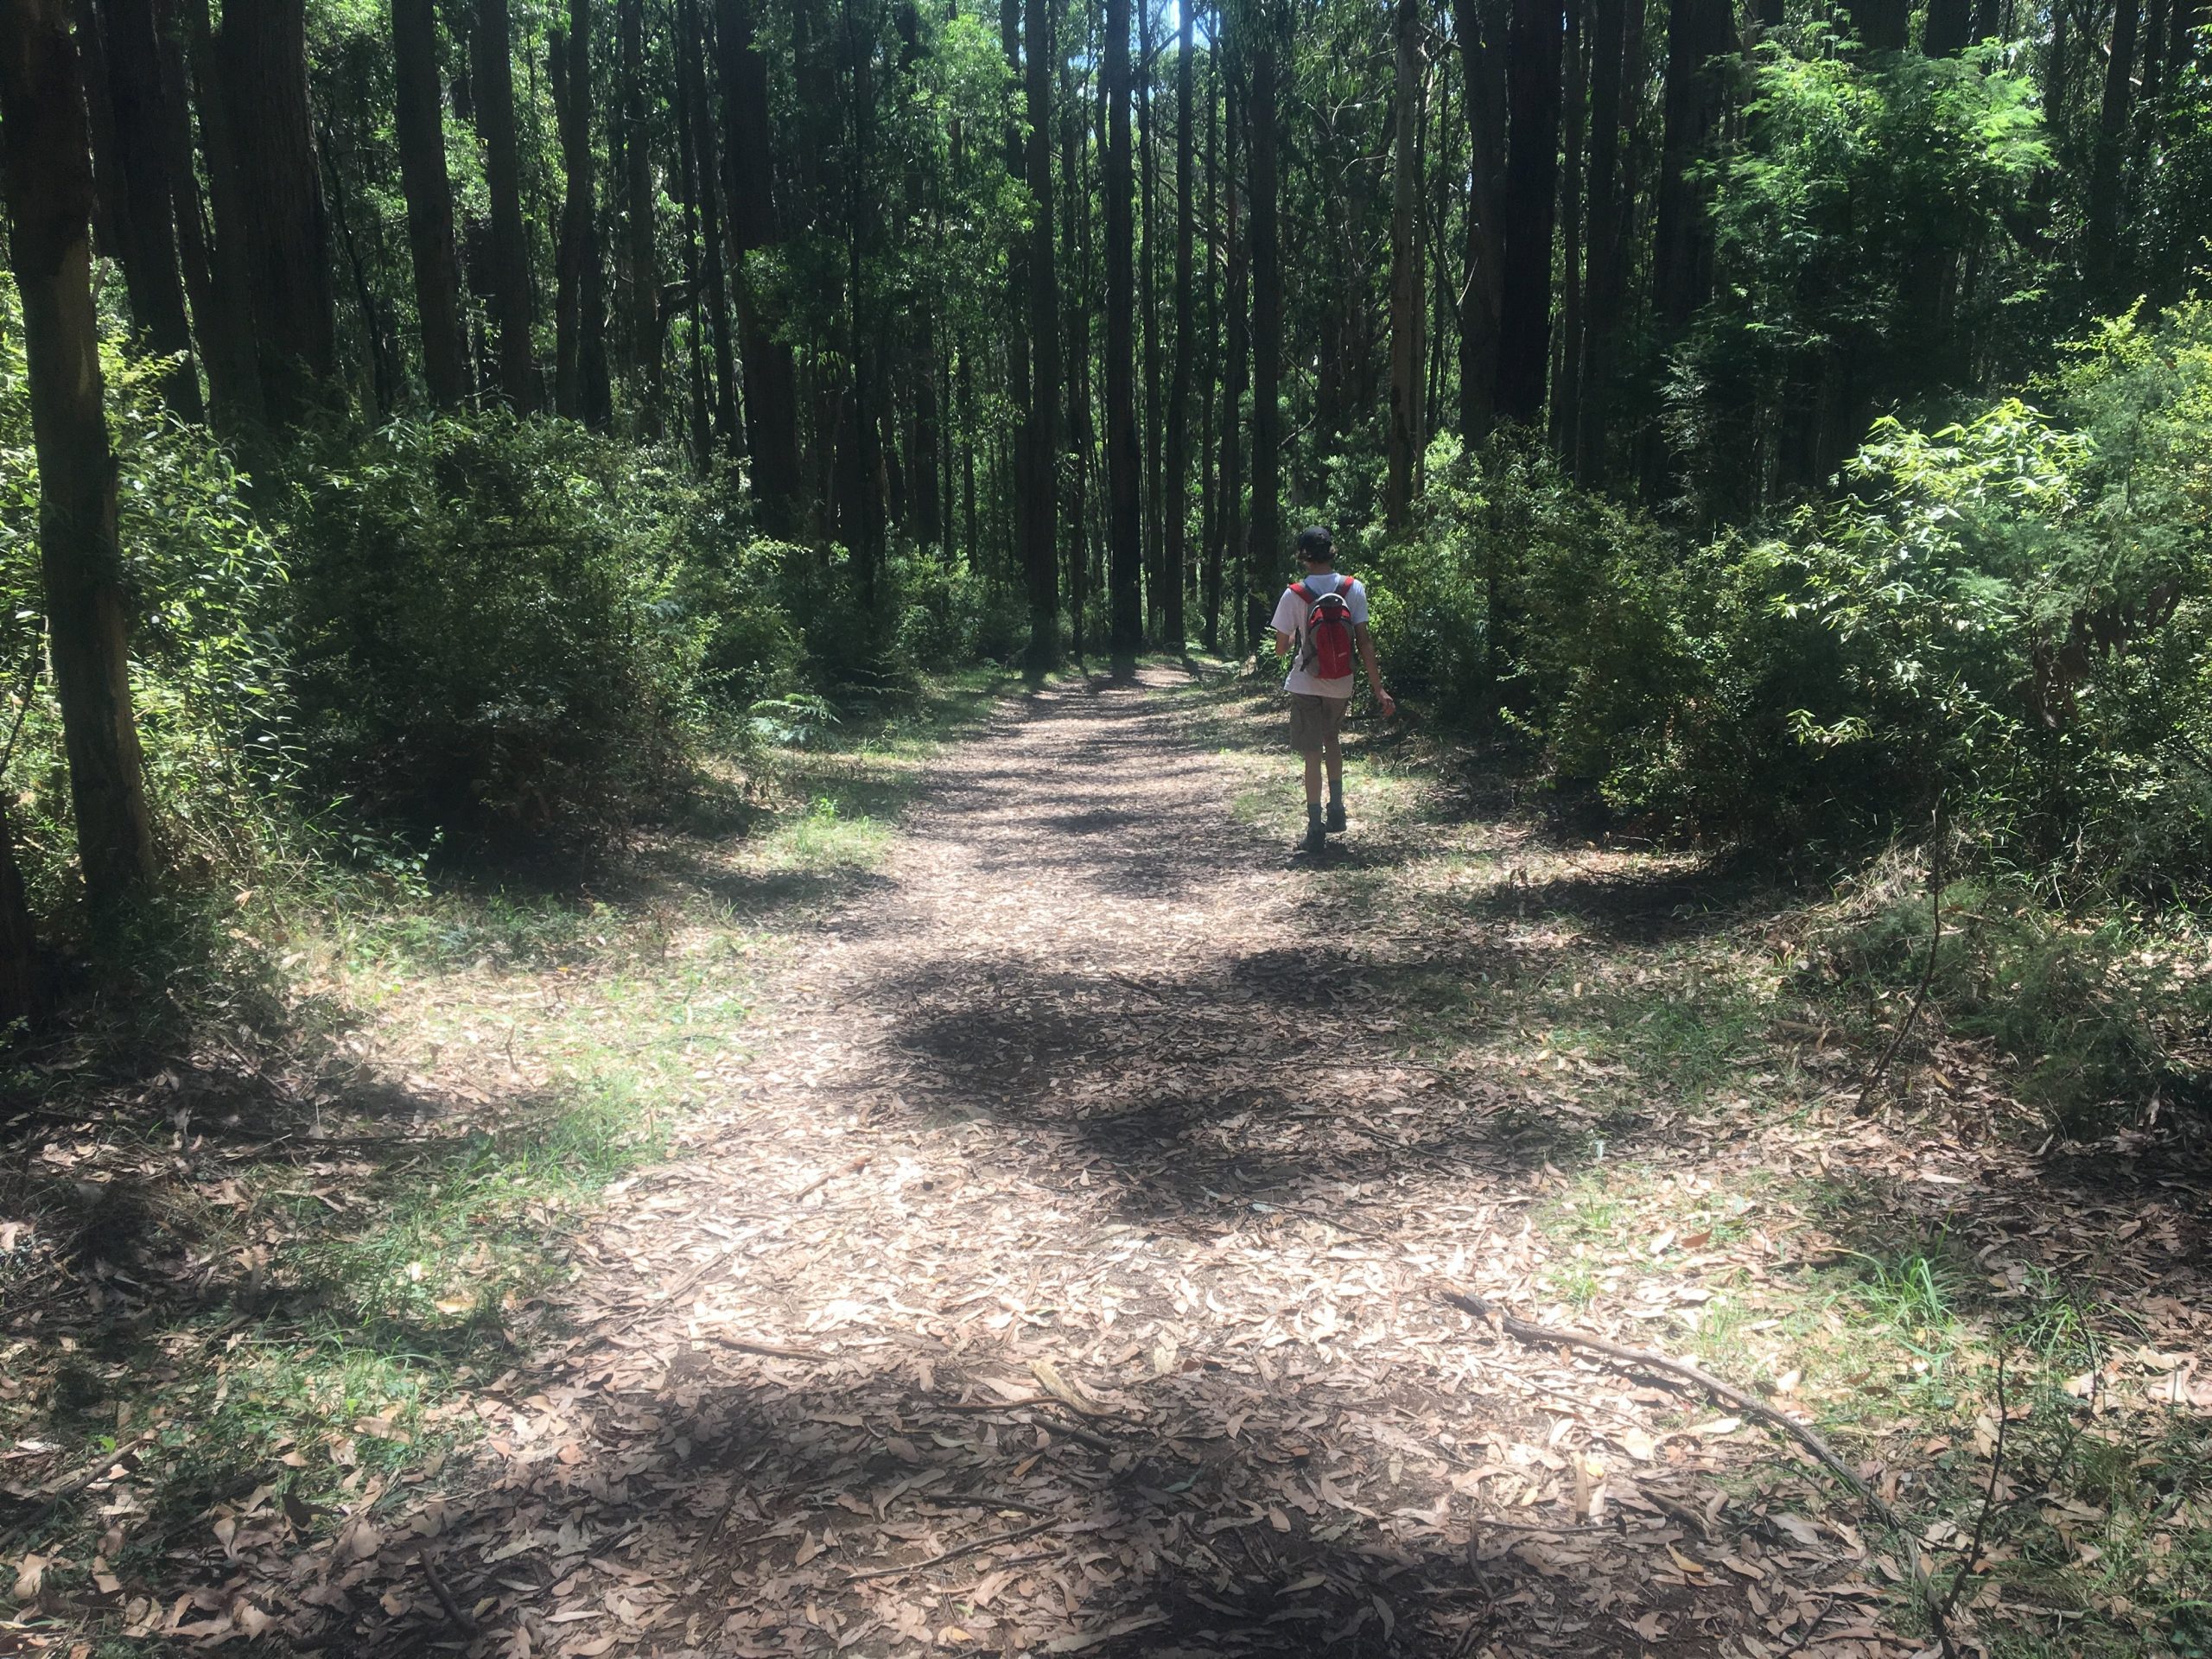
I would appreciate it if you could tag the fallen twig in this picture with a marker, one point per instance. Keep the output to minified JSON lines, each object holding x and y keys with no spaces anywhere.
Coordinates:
{"x":1078,"y":1431}
{"x":460,"y":1619}
{"x":1981,"y":1520}
{"x":1927,"y":974}
{"x":773,"y":1349}
{"x":55,"y":1493}
{"x":1620,"y":1528}
{"x":1819,"y":1450}
{"x":1018,"y":1534}
{"x":1819,"y":1619}
{"x":821,"y":1181}
{"x":981,"y":1500}
{"x":1136,"y":984}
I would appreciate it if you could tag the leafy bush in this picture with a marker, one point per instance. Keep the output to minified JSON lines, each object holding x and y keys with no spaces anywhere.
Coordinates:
{"x":2012,"y":612}
{"x":494,"y":648}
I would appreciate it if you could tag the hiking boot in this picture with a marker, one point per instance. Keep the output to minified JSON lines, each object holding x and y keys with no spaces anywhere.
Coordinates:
{"x":1336,"y":819}
{"x":1317,"y":834}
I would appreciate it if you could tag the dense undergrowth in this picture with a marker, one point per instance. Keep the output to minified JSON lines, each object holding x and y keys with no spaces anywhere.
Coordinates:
{"x":1991,"y":646}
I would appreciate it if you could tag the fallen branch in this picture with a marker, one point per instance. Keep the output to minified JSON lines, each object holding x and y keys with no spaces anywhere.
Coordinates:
{"x":821,"y":1181}
{"x":1018,"y":1534}
{"x":1728,"y":1393}
{"x":1819,"y":1619}
{"x":461,"y":1621}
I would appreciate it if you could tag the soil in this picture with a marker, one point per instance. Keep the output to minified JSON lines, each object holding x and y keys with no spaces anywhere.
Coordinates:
{"x":1060,"y":1274}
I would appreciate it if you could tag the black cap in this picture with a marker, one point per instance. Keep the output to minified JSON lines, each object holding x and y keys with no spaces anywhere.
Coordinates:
{"x":1316,"y":545}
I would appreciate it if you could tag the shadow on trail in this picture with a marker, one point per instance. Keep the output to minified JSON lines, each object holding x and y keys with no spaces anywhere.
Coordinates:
{"x":1120,"y":1537}
{"x":1100,"y":1128}
{"x":1201,"y":1097}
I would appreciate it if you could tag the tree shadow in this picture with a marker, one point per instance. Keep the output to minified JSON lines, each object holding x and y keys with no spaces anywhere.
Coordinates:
{"x":1222,"y":1505}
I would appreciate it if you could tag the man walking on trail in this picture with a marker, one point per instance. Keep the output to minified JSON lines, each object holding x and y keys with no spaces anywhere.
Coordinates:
{"x":1319,"y":623}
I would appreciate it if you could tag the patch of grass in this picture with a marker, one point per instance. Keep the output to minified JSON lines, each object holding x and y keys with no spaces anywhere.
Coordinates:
{"x":349,"y":1312}
{"x":826,"y":837}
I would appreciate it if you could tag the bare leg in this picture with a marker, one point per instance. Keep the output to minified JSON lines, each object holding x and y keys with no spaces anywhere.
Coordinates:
{"x":1313,"y":774}
{"x":1336,"y":757}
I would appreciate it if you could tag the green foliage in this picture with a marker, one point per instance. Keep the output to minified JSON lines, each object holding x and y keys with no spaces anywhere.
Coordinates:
{"x":1850,"y":187}
{"x":493,"y":646}
{"x":2012,"y":614}
{"x":1428,"y":591}
{"x":211,"y":599}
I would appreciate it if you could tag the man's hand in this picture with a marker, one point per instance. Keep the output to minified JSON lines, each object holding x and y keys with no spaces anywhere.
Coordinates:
{"x":1388,"y":703}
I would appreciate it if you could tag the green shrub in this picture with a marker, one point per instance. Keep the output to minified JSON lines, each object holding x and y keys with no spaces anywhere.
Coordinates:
{"x":494,"y":648}
{"x":2012,"y":612}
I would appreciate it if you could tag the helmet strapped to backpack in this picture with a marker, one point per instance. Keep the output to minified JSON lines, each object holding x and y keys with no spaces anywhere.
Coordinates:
{"x":1326,"y":639}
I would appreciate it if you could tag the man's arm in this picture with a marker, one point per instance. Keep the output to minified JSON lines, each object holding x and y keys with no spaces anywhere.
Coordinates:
{"x":1390,"y":704}
{"x":1282,"y":643}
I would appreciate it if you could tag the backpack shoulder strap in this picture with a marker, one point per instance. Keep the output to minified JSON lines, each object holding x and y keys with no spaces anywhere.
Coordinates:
{"x":1304,"y":592}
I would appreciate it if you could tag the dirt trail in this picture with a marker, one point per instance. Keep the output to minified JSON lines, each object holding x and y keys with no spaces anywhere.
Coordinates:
{"x":1059,"y":1278}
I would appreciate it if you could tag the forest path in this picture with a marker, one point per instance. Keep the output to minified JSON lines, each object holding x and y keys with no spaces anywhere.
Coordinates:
{"x":1059,"y":1276}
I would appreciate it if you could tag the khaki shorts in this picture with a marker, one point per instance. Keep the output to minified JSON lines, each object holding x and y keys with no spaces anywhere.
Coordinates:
{"x":1315,"y":722}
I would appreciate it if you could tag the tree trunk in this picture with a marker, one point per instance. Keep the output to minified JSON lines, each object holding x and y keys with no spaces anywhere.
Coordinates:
{"x":512,"y":307}
{"x":568,"y":245}
{"x":226,"y":341}
{"x":1482,"y":55}
{"x":263,"y":52}
{"x":1606,"y":288}
{"x":598,"y":378}
{"x":1209,"y":472}
{"x":111,"y":224}
{"x":862,"y":315}
{"x":1075,"y":232}
{"x":1531,"y":205}
{"x":1148,"y":313}
{"x":1236,"y":360}
{"x":46,"y":151}
{"x":1263,"y":550}
{"x":1175,"y":555}
{"x":1944,"y":34}
{"x":18,"y":937}
{"x":225,"y":315}
{"x":702,"y":421}
{"x":642,"y":327}
{"x":1408,"y":294}
{"x":1020,"y":386}
{"x":581,"y":386}
{"x":1880,"y":25}
{"x":150,"y":271}
{"x":418,"y":119}
{"x":1124,"y":484}
{"x":2107,"y":263}
{"x":1040,"y":551}
{"x":1699,"y":32}
{"x":691,"y":87}
{"x":770,"y":375}
{"x":1566,"y":375}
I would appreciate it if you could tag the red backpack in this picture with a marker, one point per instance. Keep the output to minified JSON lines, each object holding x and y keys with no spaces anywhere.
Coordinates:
{"x":1327,"y":635}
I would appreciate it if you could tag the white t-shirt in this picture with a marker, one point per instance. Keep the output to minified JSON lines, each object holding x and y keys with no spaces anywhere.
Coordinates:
{"x":1290,"y":618}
